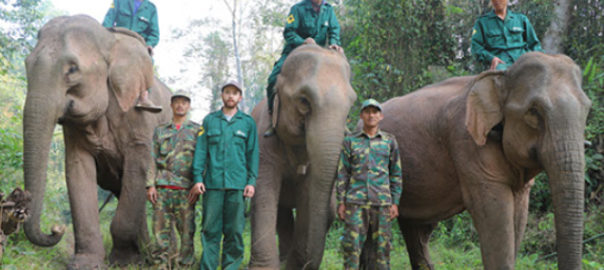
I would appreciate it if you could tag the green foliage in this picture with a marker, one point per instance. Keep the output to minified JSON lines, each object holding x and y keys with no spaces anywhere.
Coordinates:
{"x":593,"y":85}
{"x":387,"y":47}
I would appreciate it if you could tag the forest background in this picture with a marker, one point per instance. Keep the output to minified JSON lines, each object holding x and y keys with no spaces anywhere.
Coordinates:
{"x":393,"y":47}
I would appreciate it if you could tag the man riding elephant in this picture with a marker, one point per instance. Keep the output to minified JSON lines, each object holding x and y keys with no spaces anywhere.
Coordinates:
{"x":308,"y":22}
{"x":139,"y":16}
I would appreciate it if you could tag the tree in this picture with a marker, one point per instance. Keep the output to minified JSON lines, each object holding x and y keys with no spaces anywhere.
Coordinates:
{"x":233,"y":10}
{"x":552,"y":41}
{"x":216,"y":54}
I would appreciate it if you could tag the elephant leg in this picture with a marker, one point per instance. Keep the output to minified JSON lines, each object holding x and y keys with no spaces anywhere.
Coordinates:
{"x":491,"y":206}
{"x":80,"y":172}
{"x":264,"y":254}
{"x":129,"y":226}
{"x":285,"y":229}
{"x":521,"y":204}
{"x":310,"y":229}
{"x":417,"y":238}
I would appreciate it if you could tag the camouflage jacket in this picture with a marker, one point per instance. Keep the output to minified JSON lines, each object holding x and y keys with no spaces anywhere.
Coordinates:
{"x":369,"y":170}
{"x":172,"y":150}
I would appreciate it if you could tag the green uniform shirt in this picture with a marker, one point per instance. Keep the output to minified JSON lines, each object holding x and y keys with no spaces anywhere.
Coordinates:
{"x":303,"y":22}
{"x":226,"y":155}
{"x":172,"y":150}
{"x":144,"y":22}
{"x":369,"y":171}
{"x":507,"y":39}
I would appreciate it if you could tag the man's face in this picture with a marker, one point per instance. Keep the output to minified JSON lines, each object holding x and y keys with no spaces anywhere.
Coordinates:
{"x":499,"y":4}
{"x":371,"y":117}
{"x":231,"y":97}
{"x":180,"y":106}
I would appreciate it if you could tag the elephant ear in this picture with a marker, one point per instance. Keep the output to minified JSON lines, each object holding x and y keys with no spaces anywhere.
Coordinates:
{"x":130,"y":70}
{"x":484,"y":105}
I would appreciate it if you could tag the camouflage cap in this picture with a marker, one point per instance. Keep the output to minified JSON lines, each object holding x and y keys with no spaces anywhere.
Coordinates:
{"x":371,"y":102}
{"x":232,"y":83}
{"x":181,"y":93}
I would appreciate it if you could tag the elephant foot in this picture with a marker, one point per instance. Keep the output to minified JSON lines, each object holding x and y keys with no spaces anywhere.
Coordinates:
{"x":86,"y":262}
{"x":262,"y":268}
{"x":125,"y":257}
{"x":423,"y":266}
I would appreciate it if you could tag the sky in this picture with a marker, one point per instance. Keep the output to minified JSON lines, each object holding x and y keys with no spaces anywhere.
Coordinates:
{"x":168,"y":54}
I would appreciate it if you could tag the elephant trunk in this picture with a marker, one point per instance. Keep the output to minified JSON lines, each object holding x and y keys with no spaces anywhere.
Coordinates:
{"x":325,"y":133}
{"x":39,"y":118}
{"x":564,"y":165}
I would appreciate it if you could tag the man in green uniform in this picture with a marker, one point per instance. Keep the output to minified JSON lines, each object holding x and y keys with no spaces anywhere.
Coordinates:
{"x":308,"y":22}
{"x":139,"y":16}
{"x":368,"y":187}
{"x":170,"y":177}
{"x":225,"y":167}
{"x":501,"y":36}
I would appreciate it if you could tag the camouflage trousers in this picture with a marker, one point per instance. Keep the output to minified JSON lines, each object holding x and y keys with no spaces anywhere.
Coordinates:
{"x":359,"y":220}
{"x":173,"y":210}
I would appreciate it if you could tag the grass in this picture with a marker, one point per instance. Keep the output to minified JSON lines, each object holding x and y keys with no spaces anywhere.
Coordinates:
{"x":454,"y":243}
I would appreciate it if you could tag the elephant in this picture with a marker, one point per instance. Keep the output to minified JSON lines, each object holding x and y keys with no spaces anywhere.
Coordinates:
{"x":298,"y":164}
{"x":475,"y":143}
{"x":86,"y":78}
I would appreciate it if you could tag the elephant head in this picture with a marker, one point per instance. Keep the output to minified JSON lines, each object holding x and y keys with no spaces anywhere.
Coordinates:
{"x":539,"y":110}
{"x":315,"y":97}
{"x":71,"y":75}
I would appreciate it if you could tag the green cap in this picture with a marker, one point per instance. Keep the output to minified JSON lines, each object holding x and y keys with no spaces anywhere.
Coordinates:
{"x":371,"y":102}
{"x":180,"y":93}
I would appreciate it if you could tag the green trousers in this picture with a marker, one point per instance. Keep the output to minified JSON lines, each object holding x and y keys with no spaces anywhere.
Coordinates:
{"x":272,"y":80}
{"x":172,"y":209}
{"x":223,"y":215}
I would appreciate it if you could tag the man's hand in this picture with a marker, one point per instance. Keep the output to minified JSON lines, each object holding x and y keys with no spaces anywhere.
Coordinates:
{"x":150,"y":50}
{"x":393,"y":211}
{"x":248,"y":191}
{"x":341,"y":211}
{"x":152,"y":194}
{"x":496,"y":61}
{"x":309,"y":41}
{"x":196,"y":190}
{"x":336,"y":48}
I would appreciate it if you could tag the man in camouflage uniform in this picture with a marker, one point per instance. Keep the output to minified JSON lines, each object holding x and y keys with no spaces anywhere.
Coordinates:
{"x":170,"y":178}
{"x":368,"y":187}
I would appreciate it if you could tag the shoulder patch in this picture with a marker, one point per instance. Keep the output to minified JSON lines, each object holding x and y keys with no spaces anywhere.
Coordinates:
{"x":201,"y":131}
{"x":473,"y":31}
{"x":290,"y":19}
{"x":112,"y":5}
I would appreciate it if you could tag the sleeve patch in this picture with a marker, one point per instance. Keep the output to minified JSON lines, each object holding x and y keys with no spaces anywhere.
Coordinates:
{"x":112,"y":5}
{"x":473,"y":31}
{"x":291,"y":19}
{"x":201,"y":131}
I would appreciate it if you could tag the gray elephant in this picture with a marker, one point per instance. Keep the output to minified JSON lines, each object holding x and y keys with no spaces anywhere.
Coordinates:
{"x":87,"y":79}
{"x":297,"y":167}
{"x":475,"y":143}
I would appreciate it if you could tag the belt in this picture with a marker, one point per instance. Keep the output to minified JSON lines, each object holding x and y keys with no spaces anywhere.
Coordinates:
{"x":170,"y":187}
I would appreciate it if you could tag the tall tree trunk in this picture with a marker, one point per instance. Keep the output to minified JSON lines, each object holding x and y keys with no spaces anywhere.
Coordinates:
{"x":233,"y":10}
{"x":552,"y":40}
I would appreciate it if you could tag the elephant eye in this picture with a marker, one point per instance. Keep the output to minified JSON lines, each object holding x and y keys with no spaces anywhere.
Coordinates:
{"x":304,"y":106}
{"x":532,"y":118}
{"x":72,"y":69}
